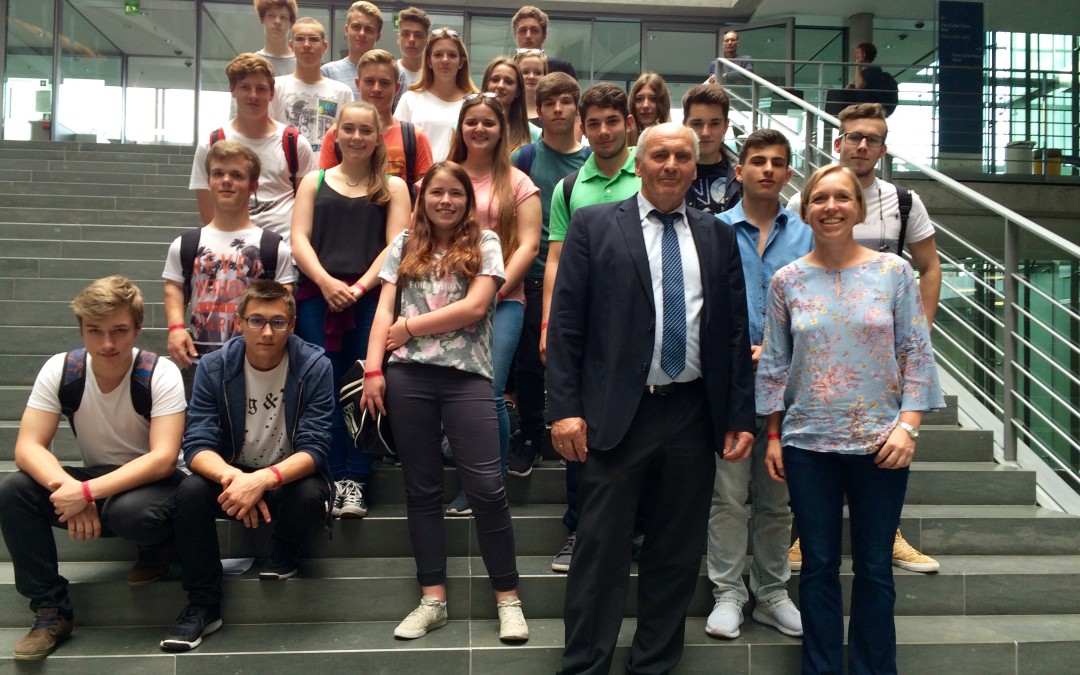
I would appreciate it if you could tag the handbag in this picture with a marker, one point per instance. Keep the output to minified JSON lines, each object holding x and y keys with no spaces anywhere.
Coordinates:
{"x":370,"y":433}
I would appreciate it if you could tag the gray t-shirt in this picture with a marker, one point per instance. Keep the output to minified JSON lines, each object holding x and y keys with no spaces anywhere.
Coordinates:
{"x":467,"y":348}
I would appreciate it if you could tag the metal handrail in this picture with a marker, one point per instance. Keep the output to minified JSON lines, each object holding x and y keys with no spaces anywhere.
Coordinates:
{"x":1005,"y":289}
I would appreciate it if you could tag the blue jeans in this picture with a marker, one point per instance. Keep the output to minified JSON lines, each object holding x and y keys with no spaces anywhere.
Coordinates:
{"x":345,"y":458}
{"x":505,"y":333}
{"x":770,"y":529}
{"x":818,"y":483}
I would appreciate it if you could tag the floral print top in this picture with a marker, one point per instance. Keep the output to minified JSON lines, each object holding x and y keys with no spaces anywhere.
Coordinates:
{"x":467,"y":348}
{"x":845,"y":351}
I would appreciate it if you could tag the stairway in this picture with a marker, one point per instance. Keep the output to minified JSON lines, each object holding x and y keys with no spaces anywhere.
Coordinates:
{"x":1007,"y":599}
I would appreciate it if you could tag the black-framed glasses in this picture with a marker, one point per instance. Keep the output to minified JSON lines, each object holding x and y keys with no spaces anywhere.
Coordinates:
{"x":528,"y":51}
{"x":872,"y":140}
{"x":256,"y":322}
{"x":479,"y":94}
{"x":444,"y":32}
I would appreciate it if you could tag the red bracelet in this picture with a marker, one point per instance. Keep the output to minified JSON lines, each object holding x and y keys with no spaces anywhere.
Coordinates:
{"x":277,"y":474}
{"x":177,"y":326}
{"x":86,"y":492}
{"x":361,"y":287}
{"x":543,"y":325}
{"x":774,"y":436}
{"x":372,"y":373}
{"x":499,"y":296}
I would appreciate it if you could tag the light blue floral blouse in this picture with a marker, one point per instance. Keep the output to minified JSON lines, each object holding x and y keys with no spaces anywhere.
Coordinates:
{"x":467,"y":348}
{"x":845,"y":351}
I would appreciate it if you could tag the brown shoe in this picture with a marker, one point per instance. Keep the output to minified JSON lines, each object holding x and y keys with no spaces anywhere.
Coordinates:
{"x":150,"y":565}
{"x":50,"y":628}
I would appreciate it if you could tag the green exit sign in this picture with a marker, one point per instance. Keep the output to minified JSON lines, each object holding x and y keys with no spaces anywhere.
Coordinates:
{"x":131,"y":7}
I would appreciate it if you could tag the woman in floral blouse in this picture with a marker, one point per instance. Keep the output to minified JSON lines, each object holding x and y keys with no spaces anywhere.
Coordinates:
{"x":438,"y":380}
{"x":845,"y":375}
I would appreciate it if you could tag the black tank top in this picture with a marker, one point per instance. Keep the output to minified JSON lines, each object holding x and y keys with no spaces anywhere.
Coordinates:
{"x":347,"y":233}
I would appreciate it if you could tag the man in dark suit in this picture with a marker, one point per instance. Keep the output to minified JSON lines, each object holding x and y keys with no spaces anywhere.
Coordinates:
{"x":649,"y":373}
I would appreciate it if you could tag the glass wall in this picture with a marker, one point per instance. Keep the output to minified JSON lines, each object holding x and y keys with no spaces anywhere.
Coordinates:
{"x":28,"y":69}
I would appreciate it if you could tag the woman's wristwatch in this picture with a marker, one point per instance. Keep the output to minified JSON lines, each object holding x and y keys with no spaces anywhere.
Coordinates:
{"x":912,"y":431}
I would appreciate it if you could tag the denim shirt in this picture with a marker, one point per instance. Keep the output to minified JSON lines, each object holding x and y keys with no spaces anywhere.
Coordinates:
{"x":789,"y":240}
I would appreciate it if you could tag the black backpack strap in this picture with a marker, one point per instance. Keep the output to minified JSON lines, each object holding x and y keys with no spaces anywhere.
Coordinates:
{"x":568,"y":187}
{"x":408,"y":144}
{"x":189,"y":247}
{"x":72,"y":383}
{"x":903,"y":197}
{"x":526,"y":155}
{"x":142,"y":373}
{"x":288,"y":145}
{"x":268,"y":253}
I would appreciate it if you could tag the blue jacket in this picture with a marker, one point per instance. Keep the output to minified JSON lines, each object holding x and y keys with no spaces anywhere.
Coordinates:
{"x":216,"y":413}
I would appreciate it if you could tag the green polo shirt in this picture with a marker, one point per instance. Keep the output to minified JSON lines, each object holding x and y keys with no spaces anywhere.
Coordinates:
{"x":592,"y":187}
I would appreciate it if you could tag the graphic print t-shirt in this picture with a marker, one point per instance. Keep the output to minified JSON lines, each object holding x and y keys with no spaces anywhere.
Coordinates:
{"x":265,"y":440}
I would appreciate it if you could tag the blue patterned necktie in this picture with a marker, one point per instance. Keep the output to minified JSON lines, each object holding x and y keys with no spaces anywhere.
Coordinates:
{"x":673,"y":347}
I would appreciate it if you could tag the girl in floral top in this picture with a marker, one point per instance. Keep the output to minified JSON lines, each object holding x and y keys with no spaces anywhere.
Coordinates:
{"x":438,"y":380}
{"x":845,"y":375}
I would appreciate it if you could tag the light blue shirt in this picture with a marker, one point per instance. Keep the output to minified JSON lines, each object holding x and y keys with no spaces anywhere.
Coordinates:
{"x":344,"y":71}
{"x":789,"y":239}
{"x":653,"y":230}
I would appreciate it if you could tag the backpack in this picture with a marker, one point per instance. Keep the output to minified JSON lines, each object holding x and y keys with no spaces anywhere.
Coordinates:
{"x":903,"y":196}
{"x":568,"y":187}
{"x":189,"y":247}
{"x":288,"y":145}
{"x":888,"y":93}
{"x":73,"y":382}
{"x":527,"y":154}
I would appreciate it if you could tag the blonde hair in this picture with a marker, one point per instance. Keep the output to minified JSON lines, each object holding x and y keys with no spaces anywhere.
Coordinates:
{"x":308,"y":21}
{"x":367,"y":9}
{"x":104,"y":296}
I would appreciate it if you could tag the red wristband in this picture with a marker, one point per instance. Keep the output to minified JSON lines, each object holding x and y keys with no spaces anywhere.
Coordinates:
{"x":774,"y":436}
{"x":372,"y":373}
{"x":277,"y":474}
{"x":361,"y":287}
{"x":543,"y":325}
{"x":177,"y":326}
{"x":86,"y":492}
{"x":499,"y":295}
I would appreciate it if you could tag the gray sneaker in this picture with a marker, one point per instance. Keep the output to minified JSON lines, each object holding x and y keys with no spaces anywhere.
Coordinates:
{"x":460,"y":506}
{"x":430,"y":615}
{"x":353,"y":504}
{"x":561,"y":561}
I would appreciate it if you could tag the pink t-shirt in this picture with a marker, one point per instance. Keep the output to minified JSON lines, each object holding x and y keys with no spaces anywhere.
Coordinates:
{"x":487,"y":209}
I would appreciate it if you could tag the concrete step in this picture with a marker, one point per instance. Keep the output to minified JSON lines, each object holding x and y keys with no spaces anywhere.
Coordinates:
{"x":53,"y":340}
{"x":189,"y":217}
{"x":70,"y":146}
{"x":47,"y":289}
{"x":80,"y":268}
{"x":133,"y":179}
{"x":92,"y":250}
{"x":149,"y":165}
{"x":95,"y":189}
{"x":88,"y":232}
{"x":105,"y":203}
{"x":57,"y":313}
{"x":1011,"y":645}
{"x":966,"y":586}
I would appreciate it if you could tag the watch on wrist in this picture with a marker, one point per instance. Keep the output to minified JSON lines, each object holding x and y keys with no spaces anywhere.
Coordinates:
{"x":912,"y":431}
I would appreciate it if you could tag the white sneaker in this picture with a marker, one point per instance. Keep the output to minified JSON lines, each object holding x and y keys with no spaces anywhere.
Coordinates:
{"x":782,"y":615}
{"x":352,"y":500}
{"x":339,"y":497}
{"x":430,"y":615}
{"x":512,"y":626}
{"x":724,"y":620}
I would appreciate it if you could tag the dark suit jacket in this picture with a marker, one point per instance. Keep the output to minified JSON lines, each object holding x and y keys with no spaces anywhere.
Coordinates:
{"x":603,"y":324}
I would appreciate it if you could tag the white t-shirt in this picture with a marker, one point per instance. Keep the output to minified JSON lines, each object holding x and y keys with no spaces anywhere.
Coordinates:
{"x":271,"y":205}
{"x":881,"y":230}
{"x":225,"y":264}
{"x":111,"y":433}
{"x":435,"y":117}
{"x":311,"y":108}
{"x":265,"y":440}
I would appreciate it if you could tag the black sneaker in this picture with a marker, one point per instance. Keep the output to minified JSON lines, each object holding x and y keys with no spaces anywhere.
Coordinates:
{"x":194,"y":623}
{"x":521,"y":463}
{"x":561,"y":561}
{"x":277,"y":570}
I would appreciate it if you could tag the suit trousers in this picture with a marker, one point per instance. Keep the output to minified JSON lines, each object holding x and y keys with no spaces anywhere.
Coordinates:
{"x":670,"y":447}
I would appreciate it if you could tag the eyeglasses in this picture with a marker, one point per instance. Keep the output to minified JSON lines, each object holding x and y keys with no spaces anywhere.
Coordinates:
{"x":445,"y":32}
{"x":257,"y":322}
{"x":525,"y":51}
{"x":872,"y":141}
{"x":480,"y":94}
{"x":313,"y":39}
